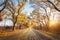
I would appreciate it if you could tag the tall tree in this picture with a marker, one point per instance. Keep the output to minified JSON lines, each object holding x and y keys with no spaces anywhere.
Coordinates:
{"x":14,"y":9}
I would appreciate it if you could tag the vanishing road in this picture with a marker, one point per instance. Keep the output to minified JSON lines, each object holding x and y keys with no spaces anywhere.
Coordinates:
{"x":28,"y":34}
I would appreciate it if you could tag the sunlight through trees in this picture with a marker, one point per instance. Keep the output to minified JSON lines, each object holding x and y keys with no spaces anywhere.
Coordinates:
{"x":42,"y":13}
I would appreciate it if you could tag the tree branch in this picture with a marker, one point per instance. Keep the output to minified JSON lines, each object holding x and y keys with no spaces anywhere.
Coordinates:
{"x":4,"y":5}
{"x":54,"y":5}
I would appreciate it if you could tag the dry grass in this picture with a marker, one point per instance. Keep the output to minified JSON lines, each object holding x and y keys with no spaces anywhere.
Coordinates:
{"x":4,"y":33}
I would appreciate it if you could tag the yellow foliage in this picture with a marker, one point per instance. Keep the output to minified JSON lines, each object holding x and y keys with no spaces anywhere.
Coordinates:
{"x":31,"y":23}
{"x":22,"y":18}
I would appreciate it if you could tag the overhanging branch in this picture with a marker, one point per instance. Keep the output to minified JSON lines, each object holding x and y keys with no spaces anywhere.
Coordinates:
{"x":5,"y":2}
{"x":54,"y":5}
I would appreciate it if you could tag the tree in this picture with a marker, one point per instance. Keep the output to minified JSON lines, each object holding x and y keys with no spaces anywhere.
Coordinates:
{"x":10,"y":6}
{"x":41,"y":15}
{"x":17,"y":11}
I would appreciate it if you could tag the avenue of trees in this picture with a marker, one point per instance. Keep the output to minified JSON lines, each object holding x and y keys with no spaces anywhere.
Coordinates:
{"x":45,"y":11}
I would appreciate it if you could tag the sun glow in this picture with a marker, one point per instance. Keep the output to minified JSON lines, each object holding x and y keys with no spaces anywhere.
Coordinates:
{"x":52,"y":22}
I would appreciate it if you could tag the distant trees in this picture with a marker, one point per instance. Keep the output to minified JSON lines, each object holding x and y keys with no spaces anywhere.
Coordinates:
{"x":41,"y":15}
{"x":36,"y":16}
{"x":22,"y":20}
{"x":44,"y":10}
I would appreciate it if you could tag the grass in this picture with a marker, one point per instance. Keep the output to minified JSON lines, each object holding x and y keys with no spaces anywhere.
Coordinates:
{"x":7,"y":32}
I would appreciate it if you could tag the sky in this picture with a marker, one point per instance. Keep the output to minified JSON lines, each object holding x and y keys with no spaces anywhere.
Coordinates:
{"x":28,"y":9}
{"x":1,"y":1}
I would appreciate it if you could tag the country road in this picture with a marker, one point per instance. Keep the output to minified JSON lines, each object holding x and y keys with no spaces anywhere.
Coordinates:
{"x":28,"y":34}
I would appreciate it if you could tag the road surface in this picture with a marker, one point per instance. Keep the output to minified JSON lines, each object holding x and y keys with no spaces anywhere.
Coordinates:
{"x":28,"y":34}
